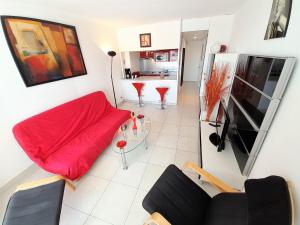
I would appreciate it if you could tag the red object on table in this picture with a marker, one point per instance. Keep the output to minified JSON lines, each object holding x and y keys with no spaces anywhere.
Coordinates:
{"x":134,"y":127}
{"x":121,"y":144}
{"x":138,"y":87}
{"x":140,"y":116}
{"x":162,"y":91}
{"x":67,"y":139}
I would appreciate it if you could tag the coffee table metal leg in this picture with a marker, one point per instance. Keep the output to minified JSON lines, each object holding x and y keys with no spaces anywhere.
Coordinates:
{"x":124,"y":163}
{"x":146,"y":143}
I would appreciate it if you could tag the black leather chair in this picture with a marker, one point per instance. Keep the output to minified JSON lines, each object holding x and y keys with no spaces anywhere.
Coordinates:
{"x":37,"y":202}
{"x":175,"y":199}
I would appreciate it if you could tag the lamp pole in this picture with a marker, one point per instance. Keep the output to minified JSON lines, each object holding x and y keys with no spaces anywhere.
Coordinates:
{"x":112,"y":54}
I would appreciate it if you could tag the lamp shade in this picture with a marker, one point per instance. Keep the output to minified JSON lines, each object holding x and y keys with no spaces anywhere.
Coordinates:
{"x":111,"y":53}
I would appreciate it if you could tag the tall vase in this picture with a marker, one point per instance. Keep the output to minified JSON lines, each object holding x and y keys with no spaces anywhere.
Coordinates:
{"x":134,"y":126}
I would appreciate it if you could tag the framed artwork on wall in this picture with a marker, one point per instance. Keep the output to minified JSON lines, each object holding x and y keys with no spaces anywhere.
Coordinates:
{"x":145,"y":40}
{"x":279,"y":19}
{"x":43,"y":51}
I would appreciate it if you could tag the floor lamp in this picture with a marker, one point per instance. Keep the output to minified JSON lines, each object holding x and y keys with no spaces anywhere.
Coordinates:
{"x":112,"y":54}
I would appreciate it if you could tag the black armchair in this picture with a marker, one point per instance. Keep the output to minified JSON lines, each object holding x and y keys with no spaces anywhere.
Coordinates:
{"x":38,"y":202}
{"x":175,"y":199}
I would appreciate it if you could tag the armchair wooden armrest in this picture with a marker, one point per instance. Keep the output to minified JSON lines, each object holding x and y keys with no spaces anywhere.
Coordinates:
{"x":157,"y":219}
{"x":216,"y":182}
{"x":48,"y":180}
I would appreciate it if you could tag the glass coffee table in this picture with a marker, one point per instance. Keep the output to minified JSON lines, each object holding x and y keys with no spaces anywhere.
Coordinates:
{"x":133,"y":137}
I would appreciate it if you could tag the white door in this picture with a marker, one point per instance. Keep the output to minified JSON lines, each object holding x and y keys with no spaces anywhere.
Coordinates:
{"x":193,"y":61}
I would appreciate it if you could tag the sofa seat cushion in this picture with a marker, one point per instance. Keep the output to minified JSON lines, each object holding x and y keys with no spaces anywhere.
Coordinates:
{"x":75,"y":158}
{"x":227,"y":209}
{"x":177,"y":198}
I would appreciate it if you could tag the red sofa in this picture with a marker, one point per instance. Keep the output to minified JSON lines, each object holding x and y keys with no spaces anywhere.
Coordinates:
{"x":67,"y":139}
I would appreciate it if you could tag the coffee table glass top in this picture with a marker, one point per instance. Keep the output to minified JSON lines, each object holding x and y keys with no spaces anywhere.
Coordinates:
{"x":133,"y":139}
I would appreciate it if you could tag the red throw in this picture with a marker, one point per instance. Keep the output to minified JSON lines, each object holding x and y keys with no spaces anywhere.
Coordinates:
{"x":67,"y":139}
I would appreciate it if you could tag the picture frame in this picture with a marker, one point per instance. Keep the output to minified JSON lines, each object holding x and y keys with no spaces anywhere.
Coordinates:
{"x":145,"y":40}
{"x":43,"y":51}
{"x":279,"y":19}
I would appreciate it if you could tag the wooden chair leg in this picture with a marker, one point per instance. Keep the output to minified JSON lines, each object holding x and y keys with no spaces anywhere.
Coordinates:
{"x":157,"y":219}
{"x":45,"y":181}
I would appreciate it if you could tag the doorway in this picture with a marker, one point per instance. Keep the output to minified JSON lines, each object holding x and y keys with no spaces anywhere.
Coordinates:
{"x":194,"y":48}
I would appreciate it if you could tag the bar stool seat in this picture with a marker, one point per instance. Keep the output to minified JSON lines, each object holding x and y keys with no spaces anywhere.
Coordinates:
{"x":139,"y":86}
{"x":162,"y":92}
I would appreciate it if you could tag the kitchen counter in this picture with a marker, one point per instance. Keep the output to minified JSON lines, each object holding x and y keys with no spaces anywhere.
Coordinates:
{"x":143,"y":78}
{"x":149,"y":93}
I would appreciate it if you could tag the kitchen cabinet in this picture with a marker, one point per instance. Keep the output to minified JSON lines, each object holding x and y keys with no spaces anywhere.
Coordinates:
{"x":146,"y":54}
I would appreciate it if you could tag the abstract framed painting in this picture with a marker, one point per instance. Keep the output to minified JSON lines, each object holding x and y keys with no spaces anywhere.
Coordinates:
{"x":145,"y":40}
{"x":43,"y":51}
{"x":279,"y":19}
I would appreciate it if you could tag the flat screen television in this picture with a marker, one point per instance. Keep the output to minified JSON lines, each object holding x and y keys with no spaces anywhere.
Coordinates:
{"x":221,"y":124}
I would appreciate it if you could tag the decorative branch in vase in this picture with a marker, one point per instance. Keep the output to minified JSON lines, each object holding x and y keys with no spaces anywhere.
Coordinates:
{"x":214,"y":87}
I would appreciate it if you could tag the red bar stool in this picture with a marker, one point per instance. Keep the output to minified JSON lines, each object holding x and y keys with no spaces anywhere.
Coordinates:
{"x":139,"y":87}
{"x":162,"y":92}
{"x":121,"y":145}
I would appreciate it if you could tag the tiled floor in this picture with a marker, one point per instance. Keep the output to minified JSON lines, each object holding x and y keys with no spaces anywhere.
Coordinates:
{"x":109,"y":195}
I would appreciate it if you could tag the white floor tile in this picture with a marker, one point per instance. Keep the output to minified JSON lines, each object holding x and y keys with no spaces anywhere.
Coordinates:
{"x":132,"y":176}
{"x":88,"y":191}
{"x":162,"y":156}
{"x":95,"y":221}
{"x":183,"y":157}
{"x":188,"y":144}
{"x":189,"y":131}
{"x":156,"y":126}
{"x":152,"y":173}
{"x":168,"y":141}
{"x":72,"y":216}
{"x":152,"y":138}
{"x":105,"y":167}
{"x":115,"y":203}
{"x":137,"y":214}
{"x":170,"y":129}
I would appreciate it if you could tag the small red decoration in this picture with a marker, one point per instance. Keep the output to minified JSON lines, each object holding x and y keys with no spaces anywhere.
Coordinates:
{"x":121,"y":144}
{"x":134,"y":127}
{"x":140,"y":116}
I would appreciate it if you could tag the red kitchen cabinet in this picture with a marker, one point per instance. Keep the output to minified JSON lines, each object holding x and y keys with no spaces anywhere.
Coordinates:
{"x":146,"y":54}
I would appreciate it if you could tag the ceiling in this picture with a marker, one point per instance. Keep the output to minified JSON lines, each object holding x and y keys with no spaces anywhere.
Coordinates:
{"x":123,"y":13}
{"x":194,"y":35}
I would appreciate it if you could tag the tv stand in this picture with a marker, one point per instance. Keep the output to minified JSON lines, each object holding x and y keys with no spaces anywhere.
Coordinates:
{"x":221,"y":164}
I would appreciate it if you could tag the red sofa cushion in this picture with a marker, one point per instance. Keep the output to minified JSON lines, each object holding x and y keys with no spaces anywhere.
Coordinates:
{"x":67,"y":139}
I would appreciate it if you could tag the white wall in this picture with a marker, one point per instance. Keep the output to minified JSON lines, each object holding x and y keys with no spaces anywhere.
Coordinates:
{"x":164,"y":35}
{"x":18,"y":102}
{"x":219,"y":31}
{"x":195,"y":24}
{"x":134,"y":61}
{"x":192,"y":60}
{"x":280,"y":152}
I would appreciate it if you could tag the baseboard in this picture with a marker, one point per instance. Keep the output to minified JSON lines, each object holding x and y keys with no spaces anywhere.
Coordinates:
{"x":16,"y":180}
